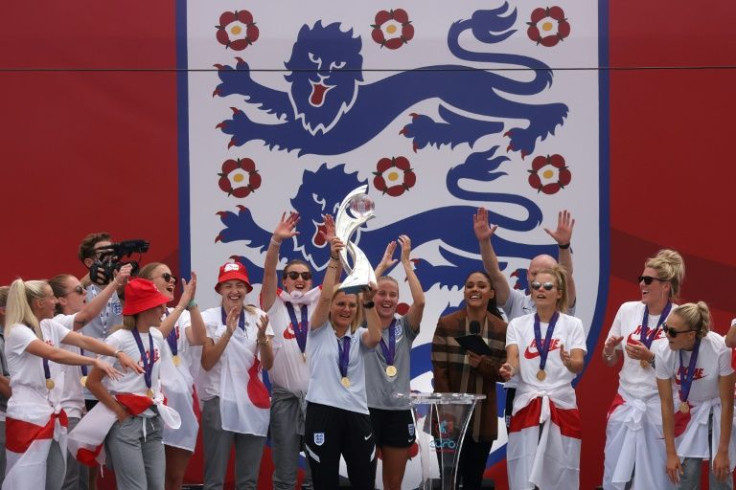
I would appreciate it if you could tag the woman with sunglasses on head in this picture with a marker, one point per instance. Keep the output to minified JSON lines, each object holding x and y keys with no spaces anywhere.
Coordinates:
{"x":695,"y":381}
{"x":544,"y":434}
{"x":457,"y":370}
{"x":73,"y":311}
{"x":338,"y":421}
{"x":182,"y":327}
{"x":36,"y":422}
{"x":388,"y":367}
{"x":635,"y":453}
{"x":289,"y":310}
{"x":236,"y":402}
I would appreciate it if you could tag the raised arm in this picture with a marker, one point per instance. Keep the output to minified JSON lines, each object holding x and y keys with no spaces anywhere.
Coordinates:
{"x":285,"y":229}
{"x":98,"y":303}
{"x":372,"y":337}
{"x":187,"y":295}
{"x":562,"y":235}
{"x":197,"y":332}
{"x":484,"y":232}
{"x":388,"y":260}
{"x":416,"y":310}
{"x":322,"y":310}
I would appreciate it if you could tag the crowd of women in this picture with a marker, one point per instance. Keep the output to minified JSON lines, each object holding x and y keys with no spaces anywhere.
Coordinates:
{"x":107,"y":373}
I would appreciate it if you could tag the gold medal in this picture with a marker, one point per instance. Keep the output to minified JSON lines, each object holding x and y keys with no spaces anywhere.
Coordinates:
{"x":644,"y":364}
{"x":391,"y":371}
{"x":83,"y":380}
{"x":684,"y":407}
{"x":177,"y":360}
{"x":345,"y":381}
{"x":541,"y":375}
{"x":149,"y":393}
{"x":50,"y":384}
{"x":304,"y":356}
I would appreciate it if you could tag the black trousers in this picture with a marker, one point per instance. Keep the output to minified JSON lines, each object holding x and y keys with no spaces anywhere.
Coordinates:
{"x":330,"y":432}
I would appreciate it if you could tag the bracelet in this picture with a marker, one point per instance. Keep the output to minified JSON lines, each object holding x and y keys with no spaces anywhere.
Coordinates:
{"x":116,"y":353}
{"x":192,"y":304}
{"x":274,"y":242}
{"x":264,"y":341}
{"x":368,"y":305}
{"x":564,"y":246}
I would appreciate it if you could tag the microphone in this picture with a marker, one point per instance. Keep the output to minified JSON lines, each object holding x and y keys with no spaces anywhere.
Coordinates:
{"x":475,"y":327}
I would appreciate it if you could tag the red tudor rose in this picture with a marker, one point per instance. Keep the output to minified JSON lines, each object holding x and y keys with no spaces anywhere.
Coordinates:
{"x":237,"y":30}
{"x":549,"y":174}
{"x":239,"y":177}
{"x":548,"y":26}
{"x":388,"y":176}
{"x":392,"y":29}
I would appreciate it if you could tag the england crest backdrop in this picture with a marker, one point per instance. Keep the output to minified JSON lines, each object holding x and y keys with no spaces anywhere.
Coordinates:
{"x":440,"y":107}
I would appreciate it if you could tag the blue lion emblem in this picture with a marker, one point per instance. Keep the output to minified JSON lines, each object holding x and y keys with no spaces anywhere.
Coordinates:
{"x":328,"y":98}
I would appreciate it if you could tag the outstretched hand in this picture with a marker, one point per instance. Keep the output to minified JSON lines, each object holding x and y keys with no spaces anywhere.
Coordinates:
{"x":329,"y":227}
{"x":563,"y":233}
{"x":286,"y":228}
{"x":483,"y":230}
{"x":387,"y":261}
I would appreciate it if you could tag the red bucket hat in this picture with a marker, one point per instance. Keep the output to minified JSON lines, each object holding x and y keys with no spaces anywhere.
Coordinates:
{"x":142,"y":295}
{"x":233,"y":271}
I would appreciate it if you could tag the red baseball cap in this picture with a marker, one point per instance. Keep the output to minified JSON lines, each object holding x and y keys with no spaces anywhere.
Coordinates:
{"x":233,"y":271}
{"x":142,"y":295}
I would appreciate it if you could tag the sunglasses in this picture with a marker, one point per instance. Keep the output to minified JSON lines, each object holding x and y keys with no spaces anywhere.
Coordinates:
{"x":548,"y":286}
{"x":648,"y":279}
{"x":77,"y":289}
{"x":168,"y":277}
{"x":672,"y":332}
{"x":293,"y":275}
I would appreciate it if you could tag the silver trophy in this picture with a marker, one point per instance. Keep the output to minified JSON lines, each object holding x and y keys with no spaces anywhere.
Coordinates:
{"x":355,"y":209}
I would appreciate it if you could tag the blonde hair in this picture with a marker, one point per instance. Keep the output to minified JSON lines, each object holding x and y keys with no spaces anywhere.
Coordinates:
{"x":18,"y":308}
{"x":358,"y":319}
{"x":670,"y":267}
{"x":696,"y":316}
{"x":146,"y":271}
{"x":560,"y":275}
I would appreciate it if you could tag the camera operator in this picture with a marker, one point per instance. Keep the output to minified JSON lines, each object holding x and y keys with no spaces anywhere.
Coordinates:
{"x":92,"y":251}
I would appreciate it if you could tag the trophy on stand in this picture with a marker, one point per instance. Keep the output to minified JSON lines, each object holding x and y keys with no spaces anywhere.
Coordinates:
{"x":355,"y":209}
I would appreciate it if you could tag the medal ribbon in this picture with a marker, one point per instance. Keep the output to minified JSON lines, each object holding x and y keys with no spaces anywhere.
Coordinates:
{"x":241,"y":320}
{"x":543,"y":348}
{"x":147,"y":363}
{"x":46,"y":369}
{"x":686,"y":378}
{"x":171,"y":338}
{"x":645,"y":338}
{"x":300,"y":329}
{"x":83,"y":366}
{"x":389,"y":352}
{"x":343,"y":356}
